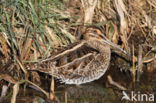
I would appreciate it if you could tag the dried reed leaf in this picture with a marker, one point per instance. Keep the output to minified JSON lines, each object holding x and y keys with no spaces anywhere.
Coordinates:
{"x":111,"y":31}
{"x":115,"y":35}
{"x":66,"y":97}
{"x":46,"y":93}
{"x":107,"y":30}
{"x":6,"y":39}
{"x":52,"y":87}
{"x":22,"y":67}
{"x":112,"y":82}
{"x":152,"y":2}
{"x":8,"y":78}
{"x":120,"y":7}
{"x":140,"y":59}
{"x":140,"y":63}
{"x":4,"y":46}
{"x":64,"y":14}
{"x":26,"y":49}
{"x":133,"y":63}
{"x":123,"y":24}
{"x":51,"y":95}
{"x":15,"y":92}
{"x":154,"y":31}
{"x":71,"y":37}
{"x":88,"y":7}
{"x":52,"y":36}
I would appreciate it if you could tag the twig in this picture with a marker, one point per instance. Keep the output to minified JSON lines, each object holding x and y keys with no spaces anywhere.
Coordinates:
{"x":23,"y":69}
{"x":15,"y":92}
{"x":140,"y":61}
{"x":66,"y":99}
{"x":150,"y":60}
{"x":115,"y":83}
{"x":47,"y":94}
{"x":51,"y":96}
{"x":133,"y":62}
{"x":3,"y":92}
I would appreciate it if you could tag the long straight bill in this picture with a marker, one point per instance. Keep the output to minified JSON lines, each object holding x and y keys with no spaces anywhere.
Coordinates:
{"x":115,"y":46}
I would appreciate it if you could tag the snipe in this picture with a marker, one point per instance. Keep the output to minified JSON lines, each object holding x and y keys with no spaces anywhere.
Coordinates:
{"x":81,"y":62}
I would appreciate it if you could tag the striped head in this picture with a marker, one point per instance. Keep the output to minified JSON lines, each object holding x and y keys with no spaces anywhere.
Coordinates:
{"x":94,"y":34}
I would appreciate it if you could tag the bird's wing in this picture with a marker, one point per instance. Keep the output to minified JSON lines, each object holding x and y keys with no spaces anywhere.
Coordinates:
{"x":68,"y":62}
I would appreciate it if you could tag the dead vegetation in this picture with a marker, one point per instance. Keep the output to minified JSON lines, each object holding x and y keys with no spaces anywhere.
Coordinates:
{"x":31,"y":30}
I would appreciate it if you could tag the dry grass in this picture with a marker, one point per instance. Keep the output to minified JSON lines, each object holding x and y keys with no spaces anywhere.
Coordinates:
{"x":33,"y":29}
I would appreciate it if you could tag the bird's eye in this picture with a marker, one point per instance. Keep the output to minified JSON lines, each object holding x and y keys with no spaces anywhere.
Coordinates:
{"x":94,"y":31}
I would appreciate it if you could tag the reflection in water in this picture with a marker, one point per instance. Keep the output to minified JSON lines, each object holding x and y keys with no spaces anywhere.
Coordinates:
{"x":87,"y":93}
{"x":94,"y":92}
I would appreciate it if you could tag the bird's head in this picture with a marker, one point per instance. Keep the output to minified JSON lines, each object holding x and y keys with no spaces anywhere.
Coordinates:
{"x":94,"y":34}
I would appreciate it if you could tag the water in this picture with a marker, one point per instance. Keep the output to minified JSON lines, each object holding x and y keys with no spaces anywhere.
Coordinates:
{"x":99,"y":91}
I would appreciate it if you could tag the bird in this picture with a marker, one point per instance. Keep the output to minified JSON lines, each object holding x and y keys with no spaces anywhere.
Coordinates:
{"x":81,"y":62}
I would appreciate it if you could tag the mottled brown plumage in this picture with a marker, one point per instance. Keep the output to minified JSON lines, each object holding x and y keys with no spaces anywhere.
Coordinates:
{"x":81,"y":62}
